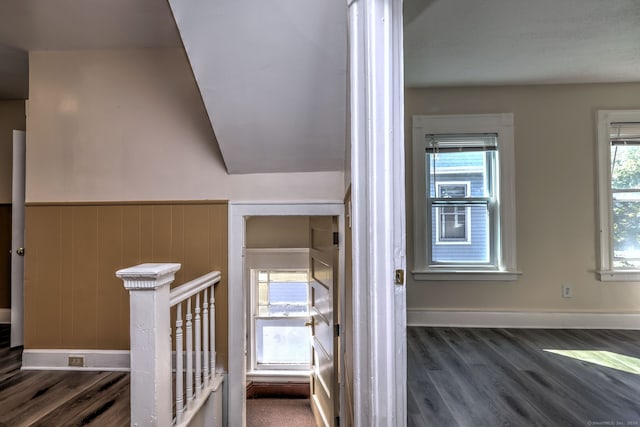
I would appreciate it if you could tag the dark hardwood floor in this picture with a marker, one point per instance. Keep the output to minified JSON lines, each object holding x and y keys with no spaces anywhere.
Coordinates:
{"x":456,"y":377}
{"x":60,"y":398}
{"x":523,"y":377}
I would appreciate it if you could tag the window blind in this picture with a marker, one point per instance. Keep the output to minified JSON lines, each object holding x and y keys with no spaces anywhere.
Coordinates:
{"x":453,"y":143}
{"x":624,"y":133}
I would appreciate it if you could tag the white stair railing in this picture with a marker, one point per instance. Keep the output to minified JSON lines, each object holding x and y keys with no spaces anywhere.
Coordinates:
{"x":151,"y":300}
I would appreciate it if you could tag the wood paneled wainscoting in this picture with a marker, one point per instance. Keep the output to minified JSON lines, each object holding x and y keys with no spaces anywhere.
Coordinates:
{"x":73,"y":299}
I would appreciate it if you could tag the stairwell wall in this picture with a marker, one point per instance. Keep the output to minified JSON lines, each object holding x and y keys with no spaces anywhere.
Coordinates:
{"x":123,"y":167}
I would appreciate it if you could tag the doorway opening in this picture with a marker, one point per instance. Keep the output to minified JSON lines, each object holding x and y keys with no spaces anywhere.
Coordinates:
{"x":243,"y":359}
{"x":276,"y":283}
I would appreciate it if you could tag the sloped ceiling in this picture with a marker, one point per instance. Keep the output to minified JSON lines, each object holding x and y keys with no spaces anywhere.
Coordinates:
{"x":273,"y":79}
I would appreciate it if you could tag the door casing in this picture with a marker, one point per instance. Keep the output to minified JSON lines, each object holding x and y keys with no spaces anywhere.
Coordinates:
{"x":238,"y":212}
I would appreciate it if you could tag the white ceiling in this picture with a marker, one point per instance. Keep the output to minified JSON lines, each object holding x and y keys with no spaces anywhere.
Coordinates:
{"x":86,"y":24}
{"x":273,"y":74}
{"x":27,"y":25}
{"x":497,"y":42}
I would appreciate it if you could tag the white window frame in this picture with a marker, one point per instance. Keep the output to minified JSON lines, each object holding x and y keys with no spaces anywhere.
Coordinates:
{"x":606,"y":272}
{"x":270,"y":259}
{"x":502,"y":125}
{"x":295,"y":320}
{"x":467,"y":216}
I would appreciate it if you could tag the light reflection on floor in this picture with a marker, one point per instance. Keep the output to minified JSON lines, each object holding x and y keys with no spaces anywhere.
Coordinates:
{"x":604,"y":358}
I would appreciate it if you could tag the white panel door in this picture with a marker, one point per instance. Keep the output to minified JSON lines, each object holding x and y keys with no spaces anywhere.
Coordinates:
{"x":323,"y":266}
{"x":17,"y":238}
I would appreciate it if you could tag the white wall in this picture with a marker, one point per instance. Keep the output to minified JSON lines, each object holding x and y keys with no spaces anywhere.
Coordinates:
{"x":11,"y":118}
{"x":129,"y":125}
{"x":555,"y":198}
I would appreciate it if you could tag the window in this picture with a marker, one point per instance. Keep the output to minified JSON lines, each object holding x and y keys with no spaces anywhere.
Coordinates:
{"x":277,"y":311}
{"x":619,"y":194}
{"x":464,"y":197}
{"x":282,"y":308}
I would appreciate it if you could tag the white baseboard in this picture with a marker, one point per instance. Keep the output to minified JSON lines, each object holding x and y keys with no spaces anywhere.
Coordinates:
{"x":58,"y":360}
{"x":5,"y":315}
{"x":509,"y":319}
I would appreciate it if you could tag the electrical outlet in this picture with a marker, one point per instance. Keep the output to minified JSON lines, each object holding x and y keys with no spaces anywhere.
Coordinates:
{"x":77,"y":361}
{"x":566,"y":291}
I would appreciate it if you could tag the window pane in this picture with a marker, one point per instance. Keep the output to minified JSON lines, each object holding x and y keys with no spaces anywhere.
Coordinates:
{"x":288,"y":276}
{"x":263,"y":293}
{"x":626,"y":234}
{"x":461,"y":234}
{"x":282,"y":341}
{"x":288,"y":298}
{"x":283,"y":293}
{"x":625,"y":167}
{"x":453,"y":224}
{"x":462,"y":166}
{"x":475,"y":249}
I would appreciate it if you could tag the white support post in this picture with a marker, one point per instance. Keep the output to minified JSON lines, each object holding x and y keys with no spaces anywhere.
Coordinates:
{"x":148,"y":286}
{"x":377,"y":189}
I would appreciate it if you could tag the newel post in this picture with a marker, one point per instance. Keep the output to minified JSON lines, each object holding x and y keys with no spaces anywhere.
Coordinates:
{"x":148,"y":286}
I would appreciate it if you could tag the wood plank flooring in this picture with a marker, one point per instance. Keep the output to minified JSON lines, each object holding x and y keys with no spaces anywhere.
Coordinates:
{"x":456,"y":377}
{"x":509,"y":377}
{"x":60,"y":398}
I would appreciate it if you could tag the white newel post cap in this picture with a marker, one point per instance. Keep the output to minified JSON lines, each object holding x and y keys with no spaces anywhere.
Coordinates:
{"x":148,"y":276}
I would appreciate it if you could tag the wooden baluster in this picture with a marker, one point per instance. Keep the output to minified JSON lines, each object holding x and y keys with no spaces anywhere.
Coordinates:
{"x":212,"y":331}
{"x":205,"y":338}
{"x":171,"y":361}
{"x":198,"y":348}
{"x":179,"y":368}
{"x":189,"y":355}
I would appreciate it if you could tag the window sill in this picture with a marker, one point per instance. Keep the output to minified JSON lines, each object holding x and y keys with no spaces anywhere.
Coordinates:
{"x":301,"y":376}
{"x":466,"y":275}
{"x":618,"y":275}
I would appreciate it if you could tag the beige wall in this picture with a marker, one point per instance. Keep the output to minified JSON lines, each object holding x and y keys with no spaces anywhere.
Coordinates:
{"x":277,"y":232}
{"x":555,"y":198}
{"x":11,"y":118}
{"x":129,"y":125}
